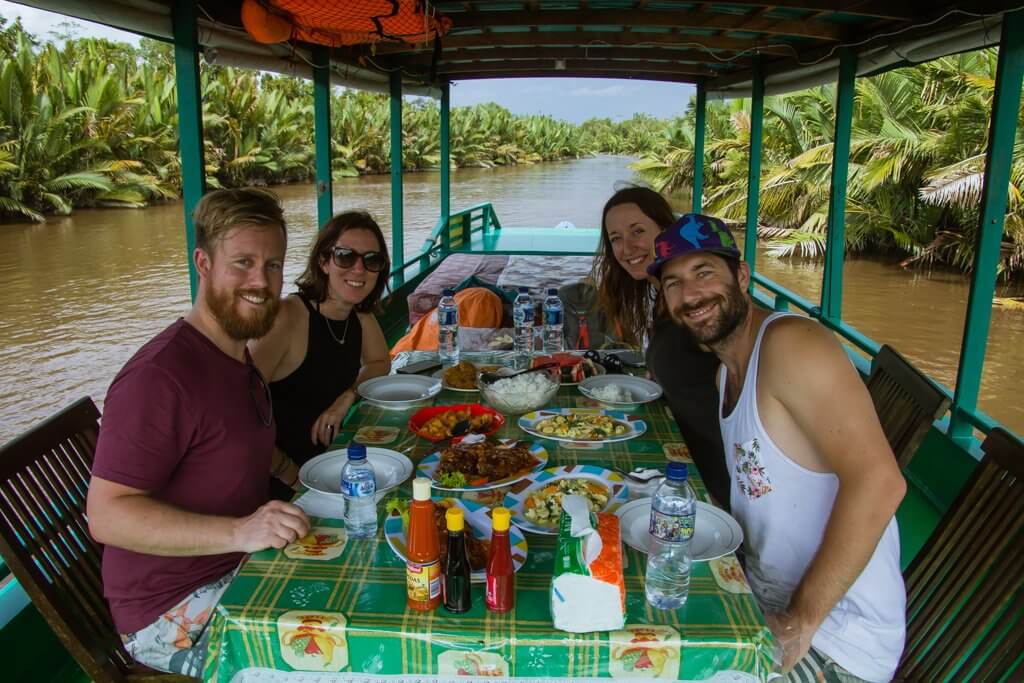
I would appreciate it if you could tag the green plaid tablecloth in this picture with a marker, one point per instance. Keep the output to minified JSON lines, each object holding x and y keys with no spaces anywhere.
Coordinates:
{"x":347,"y":614}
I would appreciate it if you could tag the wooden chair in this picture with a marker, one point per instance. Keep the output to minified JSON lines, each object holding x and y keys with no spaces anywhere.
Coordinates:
{"x":906,"y":401}
{"x":965,"y":589}
{"x":44,"y":539}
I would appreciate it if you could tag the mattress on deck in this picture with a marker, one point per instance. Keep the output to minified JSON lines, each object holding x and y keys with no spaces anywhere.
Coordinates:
{"x":505,"y":272}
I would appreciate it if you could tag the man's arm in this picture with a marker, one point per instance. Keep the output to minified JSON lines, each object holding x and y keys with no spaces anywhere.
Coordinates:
{"x":129,"y":518}
{"x":829,"y":403}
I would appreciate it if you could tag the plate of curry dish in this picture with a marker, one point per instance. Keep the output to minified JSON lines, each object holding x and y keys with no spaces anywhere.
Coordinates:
{"x":587,"y":425}
{"x":477,"y":464}
{"x":478,"y":541}
{"x":462,"y":376}
{"x":437,"y":423}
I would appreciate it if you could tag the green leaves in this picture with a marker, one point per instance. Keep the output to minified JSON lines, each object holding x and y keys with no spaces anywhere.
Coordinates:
{"x":916,"y":164}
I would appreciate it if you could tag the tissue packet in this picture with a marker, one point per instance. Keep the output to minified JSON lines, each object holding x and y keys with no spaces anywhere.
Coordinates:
{"x":588,"y":592}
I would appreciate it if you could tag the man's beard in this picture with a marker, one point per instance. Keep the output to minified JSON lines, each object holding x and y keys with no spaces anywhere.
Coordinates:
{"x":732,"y":310}
{"x":224,"y":306}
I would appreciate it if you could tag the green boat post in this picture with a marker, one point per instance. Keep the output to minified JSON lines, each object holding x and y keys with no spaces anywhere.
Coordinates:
{"x":754,"y":172}
{"x":322,"y":133}
{"x":445,"y":162}
{"x":998,"y":160}
{"x":698,"y":147}
{"x":397,"y":244}
{"x":190,"y":122}
{"x":835,"y":239}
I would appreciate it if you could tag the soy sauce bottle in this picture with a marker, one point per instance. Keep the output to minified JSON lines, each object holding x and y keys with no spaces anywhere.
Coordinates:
{"x":456,"y":565}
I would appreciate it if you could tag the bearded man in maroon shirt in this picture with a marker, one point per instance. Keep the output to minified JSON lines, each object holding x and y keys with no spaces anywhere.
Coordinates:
{"x":179,"y":491}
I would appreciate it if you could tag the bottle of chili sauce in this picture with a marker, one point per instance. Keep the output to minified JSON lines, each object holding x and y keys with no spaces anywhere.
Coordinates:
{"x":456,"y":566}
{"x":501,"y":577}
{"x":423,"y":566}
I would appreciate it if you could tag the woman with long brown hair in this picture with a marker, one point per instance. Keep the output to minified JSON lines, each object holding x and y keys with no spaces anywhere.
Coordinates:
{"x":632,"y":218}
{"x":325,"y":340}
{"x":630,"y":221}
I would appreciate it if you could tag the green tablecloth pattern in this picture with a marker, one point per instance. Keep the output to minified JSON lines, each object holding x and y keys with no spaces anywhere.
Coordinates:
{"x":347,"y":613}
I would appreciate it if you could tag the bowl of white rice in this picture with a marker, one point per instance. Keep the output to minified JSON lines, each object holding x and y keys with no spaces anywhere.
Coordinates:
{"x":521,"y":393}
{"x":623,"y":392}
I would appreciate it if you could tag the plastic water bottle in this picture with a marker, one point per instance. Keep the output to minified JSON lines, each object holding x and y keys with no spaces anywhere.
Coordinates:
{"x":448,"y":328}
{"x":554,"y":314}
{"x":359,"y":487}
{"x":522,"y":316}
{"x":673,"y":511}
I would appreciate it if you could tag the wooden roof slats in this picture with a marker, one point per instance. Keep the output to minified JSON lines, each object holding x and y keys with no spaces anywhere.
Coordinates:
{"x":693,"y":18}
{"x":578,"y":66}
{"x":455,"y":40}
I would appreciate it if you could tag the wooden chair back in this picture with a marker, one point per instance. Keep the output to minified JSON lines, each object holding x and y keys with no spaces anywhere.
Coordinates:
{"x":906,"y":401}
{"x":45,"y":540}
{"x":965,"y":589}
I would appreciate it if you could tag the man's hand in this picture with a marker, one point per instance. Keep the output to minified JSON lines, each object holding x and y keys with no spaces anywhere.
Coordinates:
{"x":273,"y":525}
{"x":793,"y":639}
{"x":329,"y":422}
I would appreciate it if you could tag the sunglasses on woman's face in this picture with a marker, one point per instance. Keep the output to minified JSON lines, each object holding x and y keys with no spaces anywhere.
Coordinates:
{"x":373,"y":261}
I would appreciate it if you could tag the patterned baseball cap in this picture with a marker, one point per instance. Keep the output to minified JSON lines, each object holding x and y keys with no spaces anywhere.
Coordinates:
{"x":692,"y":233}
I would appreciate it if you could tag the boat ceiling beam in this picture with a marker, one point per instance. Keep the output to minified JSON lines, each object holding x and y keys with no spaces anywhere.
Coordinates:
{"x":688,"y":19}
{"x":662,"y":77}
{"x":574,"y":66}
{"x":456,"y":40}
{"x":599,"y":53}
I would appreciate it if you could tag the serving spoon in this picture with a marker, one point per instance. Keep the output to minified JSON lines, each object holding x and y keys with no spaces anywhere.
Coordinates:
{"x":492,"y":377}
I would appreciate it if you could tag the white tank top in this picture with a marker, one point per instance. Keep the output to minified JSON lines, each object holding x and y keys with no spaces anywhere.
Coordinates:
{"x":783,"y":509}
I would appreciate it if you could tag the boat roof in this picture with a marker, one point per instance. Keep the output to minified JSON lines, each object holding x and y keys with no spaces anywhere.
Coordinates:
{"x":795,"y":42}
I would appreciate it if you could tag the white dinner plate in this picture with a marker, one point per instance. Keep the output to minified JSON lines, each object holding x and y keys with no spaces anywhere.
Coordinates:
{"x":643,"y":390}
{"x":323,"y":473}
{"x":715,"y":532}
{"x":399,"y":392}
{"x":530,"y":423}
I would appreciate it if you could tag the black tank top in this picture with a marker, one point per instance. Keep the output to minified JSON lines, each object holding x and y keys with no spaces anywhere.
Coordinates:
{"x":328,"y":369}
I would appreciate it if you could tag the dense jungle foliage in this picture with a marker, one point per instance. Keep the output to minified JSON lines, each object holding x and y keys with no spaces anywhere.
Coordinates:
{"x":90,"y":122}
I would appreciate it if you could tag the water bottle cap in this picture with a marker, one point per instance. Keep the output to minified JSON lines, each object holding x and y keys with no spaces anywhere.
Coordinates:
{"x":356,"y":451}
{"x":552,"y":291}
{"x":500,"y":518}
{"x":454,"y":519}
{"x":421,"y":488}
{"x":447,"y":291}
{"x":678,"y":470}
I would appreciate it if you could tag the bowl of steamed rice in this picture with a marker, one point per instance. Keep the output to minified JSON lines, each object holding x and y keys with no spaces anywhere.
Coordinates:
{"x":522,"y":393}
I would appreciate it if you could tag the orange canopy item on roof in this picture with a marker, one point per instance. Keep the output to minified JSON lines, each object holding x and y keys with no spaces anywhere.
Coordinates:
{"x":343,"y":23}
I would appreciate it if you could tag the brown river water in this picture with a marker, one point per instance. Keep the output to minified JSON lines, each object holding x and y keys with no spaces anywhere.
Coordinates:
{"x":79,"y":295}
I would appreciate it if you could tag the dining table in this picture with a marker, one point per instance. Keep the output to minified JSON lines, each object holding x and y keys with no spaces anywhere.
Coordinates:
{"x":333,"y":608}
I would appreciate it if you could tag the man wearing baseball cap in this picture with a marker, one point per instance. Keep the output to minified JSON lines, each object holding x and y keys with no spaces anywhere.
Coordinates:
{"x":815,"y":485}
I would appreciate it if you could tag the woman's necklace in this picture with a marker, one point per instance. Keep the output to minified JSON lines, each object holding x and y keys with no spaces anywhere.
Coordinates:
{"x":327,"y":321}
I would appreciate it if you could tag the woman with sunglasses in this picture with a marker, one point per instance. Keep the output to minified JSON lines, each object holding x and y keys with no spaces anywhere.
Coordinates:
{"x":325,"y":341}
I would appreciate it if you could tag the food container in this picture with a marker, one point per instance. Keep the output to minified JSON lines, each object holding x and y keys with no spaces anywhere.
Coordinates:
{"x":527,"y":392}
{"x":422,"y":416}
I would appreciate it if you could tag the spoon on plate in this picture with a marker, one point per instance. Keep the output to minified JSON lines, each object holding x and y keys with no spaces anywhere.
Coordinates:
{"x":492,"y":377}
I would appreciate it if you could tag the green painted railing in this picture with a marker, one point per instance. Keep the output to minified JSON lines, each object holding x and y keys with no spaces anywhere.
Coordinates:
{"x":779,"y":298}
{"x":449,"y":233}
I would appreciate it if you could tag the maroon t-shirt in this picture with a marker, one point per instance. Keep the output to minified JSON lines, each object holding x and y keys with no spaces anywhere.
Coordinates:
{"x":184,"y":422}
